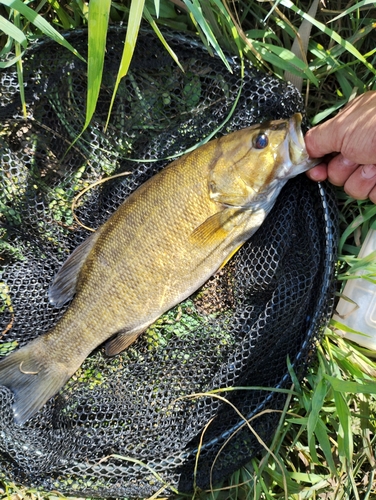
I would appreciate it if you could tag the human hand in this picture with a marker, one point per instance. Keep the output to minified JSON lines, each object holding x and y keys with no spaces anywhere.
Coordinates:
{"x":351,"y":136}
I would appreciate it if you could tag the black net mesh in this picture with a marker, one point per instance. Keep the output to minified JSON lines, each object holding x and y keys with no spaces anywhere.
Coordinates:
{"x":124,"y":426}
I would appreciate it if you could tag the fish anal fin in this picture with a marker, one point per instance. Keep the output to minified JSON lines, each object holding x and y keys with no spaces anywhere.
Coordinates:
{"x":64,"y":285}
{"x":121,"y":342}
{"x":31,"y":380}
{"x":231,"y":255}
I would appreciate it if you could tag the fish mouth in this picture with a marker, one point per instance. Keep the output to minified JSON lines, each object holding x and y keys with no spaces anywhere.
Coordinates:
{"x":298,"y":153}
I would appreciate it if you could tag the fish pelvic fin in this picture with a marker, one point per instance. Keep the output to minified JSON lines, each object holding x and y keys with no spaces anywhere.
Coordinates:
{"x":65,"y":282}
{"x":122,"y":341}
{"x":32,"y":382}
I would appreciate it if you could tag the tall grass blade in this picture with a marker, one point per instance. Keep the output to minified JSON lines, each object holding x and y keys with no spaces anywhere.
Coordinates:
{"x":352,"y":8}
{"x":38,"y":21}
{"x":159,"y":34}
{"x":333,"y":34}
{"x":195,"y":10}
{"x":346,"y":86}
{"x":229,"y":21}
{"x":8,"y":48}
{"x":352,"y":387}
{"x":322,"y":435}
{"x":327,"y":112}
{"x":329,"y":59}
{"x":134,"y":21}
{"x":345,"y":436}
{"x":12,"y":61}
{"x":19,"y":65}
{"x":11,"y":30}
{"x":285,"y":60}
{"x":360,"y":219}
{"x":65,"y":20}
{"x":300,"y":45}
{"x":99,"y":11}
{"x":157,"y":6}
{"x":317,"y":403}
{"x":283,"y":481}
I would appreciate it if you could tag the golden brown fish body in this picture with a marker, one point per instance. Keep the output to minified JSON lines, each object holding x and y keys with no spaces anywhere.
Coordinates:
{"x":161,"y":245}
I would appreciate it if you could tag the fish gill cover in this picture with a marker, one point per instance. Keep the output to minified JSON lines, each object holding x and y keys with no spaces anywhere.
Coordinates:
{"x":125,"y":426}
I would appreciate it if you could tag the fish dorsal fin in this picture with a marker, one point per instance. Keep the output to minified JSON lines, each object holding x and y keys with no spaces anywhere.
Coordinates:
{"x":217,"y":227}
{"x":64,"y":285}
{"x":122,"y":341}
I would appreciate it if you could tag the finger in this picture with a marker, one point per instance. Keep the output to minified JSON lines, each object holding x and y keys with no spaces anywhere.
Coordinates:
{"x":320,"y":141}
{"x":352,"y":132}
{"x":361,"y":182}
{"x":340,"y":169}
{"x":372,"y":195}
{"x":318,"y":173}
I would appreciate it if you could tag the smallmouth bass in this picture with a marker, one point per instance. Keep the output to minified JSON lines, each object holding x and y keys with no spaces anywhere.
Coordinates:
{"x":165,"y":240}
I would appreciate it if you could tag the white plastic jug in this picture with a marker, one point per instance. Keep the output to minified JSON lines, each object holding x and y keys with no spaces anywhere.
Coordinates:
{"x":360,"y":314}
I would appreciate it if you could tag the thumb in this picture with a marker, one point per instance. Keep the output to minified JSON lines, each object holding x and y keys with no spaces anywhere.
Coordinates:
{"x":321,"y":140}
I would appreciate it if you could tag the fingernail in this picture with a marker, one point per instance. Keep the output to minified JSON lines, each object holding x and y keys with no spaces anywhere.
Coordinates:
{"x":368,"y":171}
{"x":347,"y":163}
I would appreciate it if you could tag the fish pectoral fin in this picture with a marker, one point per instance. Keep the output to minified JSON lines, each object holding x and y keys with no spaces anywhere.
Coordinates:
{"x":122,"y":341}
{"x":64,"y":285}
{"x":216,"y":228}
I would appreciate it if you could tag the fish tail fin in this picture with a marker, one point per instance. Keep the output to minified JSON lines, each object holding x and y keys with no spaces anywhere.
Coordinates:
{"x":31,"y":379}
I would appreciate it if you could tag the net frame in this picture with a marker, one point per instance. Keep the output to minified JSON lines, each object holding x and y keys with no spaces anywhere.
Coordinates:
{"x":60,"y":448}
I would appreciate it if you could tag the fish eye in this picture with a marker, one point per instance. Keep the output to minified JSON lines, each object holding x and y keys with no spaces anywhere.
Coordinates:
{"x":261,"y":141}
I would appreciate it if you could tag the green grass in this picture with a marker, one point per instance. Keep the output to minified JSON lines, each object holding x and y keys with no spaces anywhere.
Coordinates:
{"x":325,"y":443}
